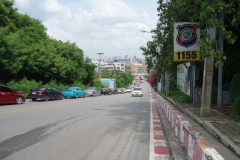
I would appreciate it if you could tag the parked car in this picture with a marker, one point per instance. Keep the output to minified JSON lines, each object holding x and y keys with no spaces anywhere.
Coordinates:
{"x":74,"y":92}
{"x":137,"y":91}
{"x":10,"y":96}
{"x":128,"y":90}
{"x":114,"y":90}
{"x":107,"y":91}
{"x":120,"y":91}
{"x":92,"y":91}
{"x":45,"y":93}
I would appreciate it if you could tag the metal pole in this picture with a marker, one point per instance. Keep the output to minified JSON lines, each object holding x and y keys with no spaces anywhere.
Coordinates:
{"x":219,"y":98}
{"x":115,"y":77}
{"x":99,"y":66}
{"x":194,"y":85}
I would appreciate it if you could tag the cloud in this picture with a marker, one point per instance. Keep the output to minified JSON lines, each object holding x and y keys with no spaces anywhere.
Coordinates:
{"x":110,"y":26}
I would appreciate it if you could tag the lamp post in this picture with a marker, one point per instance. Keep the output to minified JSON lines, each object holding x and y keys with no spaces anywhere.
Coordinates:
{"x":145,"y":31}
{"x":114,"y":67}
{"x":99,"y":66}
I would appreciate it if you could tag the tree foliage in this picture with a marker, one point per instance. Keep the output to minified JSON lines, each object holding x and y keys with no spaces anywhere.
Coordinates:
{"x":159,"y":52}
{"x":27,"y":51}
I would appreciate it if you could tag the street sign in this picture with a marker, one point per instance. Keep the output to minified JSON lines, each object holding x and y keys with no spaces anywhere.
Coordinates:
{"x":186,"y":37}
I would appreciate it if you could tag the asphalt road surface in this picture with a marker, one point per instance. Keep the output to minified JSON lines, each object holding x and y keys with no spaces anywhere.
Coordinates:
{"x":110,"y":127}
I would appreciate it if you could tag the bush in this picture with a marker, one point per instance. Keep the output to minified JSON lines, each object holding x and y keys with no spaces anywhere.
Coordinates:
{"x":235,"y":87}
{"x":237,"y":105}
{"x":226,"y":87}
{"x":155,"y":88}
{"x":24,"y":85}
{"x":56,"y":85}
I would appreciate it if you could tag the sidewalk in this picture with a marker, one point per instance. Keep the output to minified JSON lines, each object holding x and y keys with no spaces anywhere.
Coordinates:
{"x":218,"y":129}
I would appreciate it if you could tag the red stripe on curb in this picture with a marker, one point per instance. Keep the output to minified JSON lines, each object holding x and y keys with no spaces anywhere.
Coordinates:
{"x":161,"y":150}
{"x":159,"y":137}
{"x":158,"y":123}
{"x":157,"y":129}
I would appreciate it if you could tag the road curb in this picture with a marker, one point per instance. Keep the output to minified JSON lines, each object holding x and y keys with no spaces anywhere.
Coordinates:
{"x":195,"y":146}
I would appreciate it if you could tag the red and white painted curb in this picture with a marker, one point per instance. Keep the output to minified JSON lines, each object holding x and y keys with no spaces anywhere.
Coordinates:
{"x":196,"y":147}
{"x":158,"y":146}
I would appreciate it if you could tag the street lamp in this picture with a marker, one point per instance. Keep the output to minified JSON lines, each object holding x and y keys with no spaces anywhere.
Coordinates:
{"x":145,"y":31}
{"x":114,"y":67}
{"x":99,"y":66}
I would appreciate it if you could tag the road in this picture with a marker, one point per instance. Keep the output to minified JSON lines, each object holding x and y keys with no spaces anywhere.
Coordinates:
{"x":114,"y":127}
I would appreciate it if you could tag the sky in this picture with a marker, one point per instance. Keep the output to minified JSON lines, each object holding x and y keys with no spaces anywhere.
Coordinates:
{"x":112,"y":27}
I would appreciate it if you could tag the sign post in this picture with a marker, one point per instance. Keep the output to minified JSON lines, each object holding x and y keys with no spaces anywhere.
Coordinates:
{"x":186,"y":37}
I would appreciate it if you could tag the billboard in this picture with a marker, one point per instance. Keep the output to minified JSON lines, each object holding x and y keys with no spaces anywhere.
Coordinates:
{"x":109,"y":82}
{"x":186,"y":37}
{"x":182,"y":78}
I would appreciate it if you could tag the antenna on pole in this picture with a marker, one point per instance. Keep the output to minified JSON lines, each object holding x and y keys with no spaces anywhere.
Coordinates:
{"x":99,"y":66}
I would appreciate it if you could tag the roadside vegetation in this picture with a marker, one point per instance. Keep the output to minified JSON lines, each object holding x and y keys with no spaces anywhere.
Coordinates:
{"x":29,"y":58}
{"x":159,"y":51}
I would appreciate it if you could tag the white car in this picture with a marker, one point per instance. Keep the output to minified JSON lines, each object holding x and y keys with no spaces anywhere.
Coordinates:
{"x":137,"y":91}
{"x":128,"y":90}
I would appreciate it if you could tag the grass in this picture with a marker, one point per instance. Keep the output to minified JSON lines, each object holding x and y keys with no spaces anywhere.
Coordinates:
{"x":178,"y":96}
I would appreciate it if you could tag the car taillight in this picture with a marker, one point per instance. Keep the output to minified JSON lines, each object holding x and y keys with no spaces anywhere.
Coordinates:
{"x":106,"y":90}
{"x":40,"y":92}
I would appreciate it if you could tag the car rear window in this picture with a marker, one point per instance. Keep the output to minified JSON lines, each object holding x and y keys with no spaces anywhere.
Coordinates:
{"x":70,"y":88}
{"x":89,"y":89}
{"x":137,"y":89}
{"x":39,"y":89}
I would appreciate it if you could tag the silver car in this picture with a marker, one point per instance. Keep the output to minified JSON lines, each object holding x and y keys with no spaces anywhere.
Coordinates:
{"x":93,"y":91}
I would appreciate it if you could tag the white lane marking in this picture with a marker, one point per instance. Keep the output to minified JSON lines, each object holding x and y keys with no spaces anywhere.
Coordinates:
{"x":151,"y":145}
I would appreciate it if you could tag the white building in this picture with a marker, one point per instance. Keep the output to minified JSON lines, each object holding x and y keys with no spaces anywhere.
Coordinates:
{"x":109,"y":65}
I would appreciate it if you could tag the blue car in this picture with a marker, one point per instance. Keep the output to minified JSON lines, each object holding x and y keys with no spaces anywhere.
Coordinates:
{"x":74,"y":92}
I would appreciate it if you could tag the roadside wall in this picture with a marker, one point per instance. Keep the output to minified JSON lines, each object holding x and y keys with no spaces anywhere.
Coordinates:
{"x":196,"y":147}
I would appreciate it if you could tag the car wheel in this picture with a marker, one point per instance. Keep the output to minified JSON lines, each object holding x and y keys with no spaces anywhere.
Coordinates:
{"x":65,"y":97}
{"x":46,"y":98}
{"x":76,"y":96}
{"x":19,"y":100}
{"x":34,"y":99}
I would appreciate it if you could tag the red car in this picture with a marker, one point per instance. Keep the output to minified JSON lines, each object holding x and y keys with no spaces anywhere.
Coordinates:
{"x":10,"y":96}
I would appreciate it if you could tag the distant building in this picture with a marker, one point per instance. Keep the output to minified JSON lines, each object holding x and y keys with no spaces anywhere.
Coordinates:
{"x":109,"y":65}
{"x":138,"y":68}
{"x":127,"y":61}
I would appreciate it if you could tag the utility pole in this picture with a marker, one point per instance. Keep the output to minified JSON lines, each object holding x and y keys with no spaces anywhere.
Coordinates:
{"x":114,"y":67}
{"x":207,"y":79}
{"x":219,"y":98}
{"x":99,"y":66}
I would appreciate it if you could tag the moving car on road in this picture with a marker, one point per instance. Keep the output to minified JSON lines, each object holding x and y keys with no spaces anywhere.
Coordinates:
{"x":45,"y":93}
{"x":92,"y":91}
{"x":137,"y":91}
{"x":10,"y":96}
{"x":74,"y":92}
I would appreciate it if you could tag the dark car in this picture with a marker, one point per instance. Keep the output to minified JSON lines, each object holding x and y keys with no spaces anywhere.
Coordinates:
{"x":107,"y":91}
{"x":114,"y":90}
{"x":10,"y":96}
{"x":45,"y":93}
